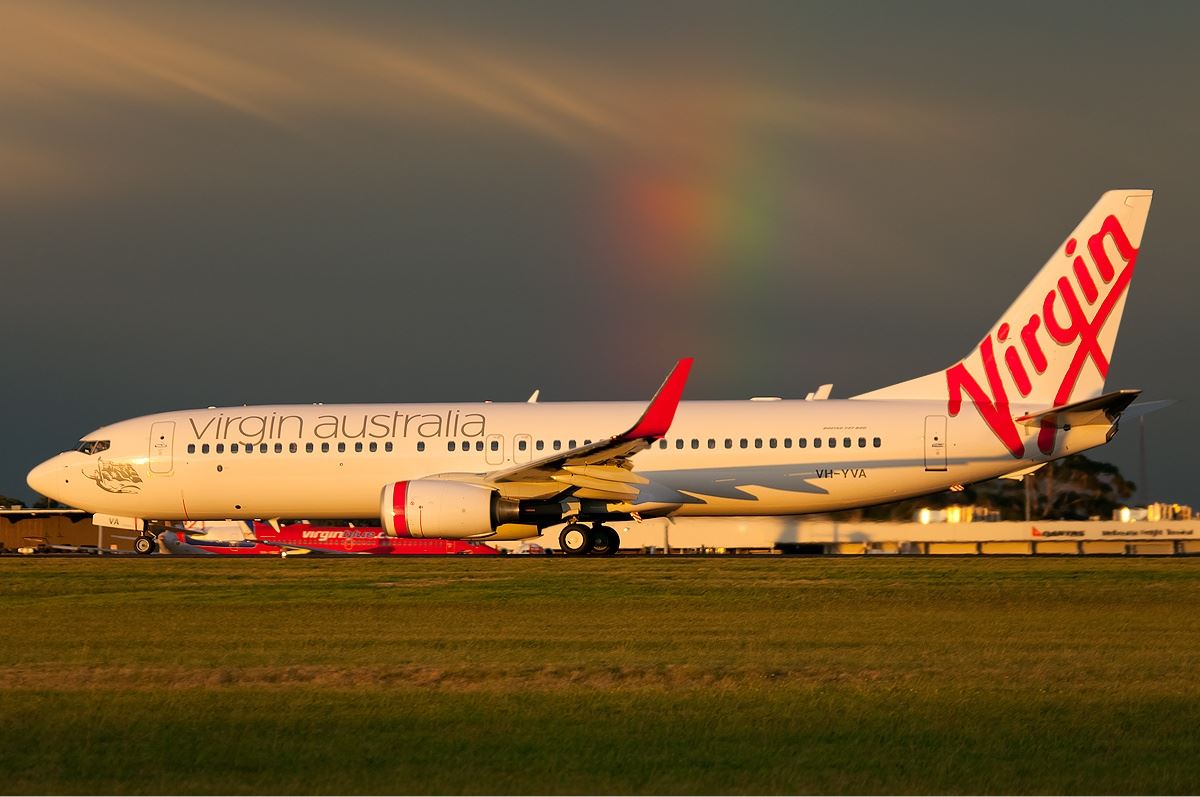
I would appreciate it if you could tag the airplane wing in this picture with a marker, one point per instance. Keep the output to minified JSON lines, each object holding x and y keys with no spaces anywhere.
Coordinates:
{"x":1100,"y":410}
{"x":603,"y":469}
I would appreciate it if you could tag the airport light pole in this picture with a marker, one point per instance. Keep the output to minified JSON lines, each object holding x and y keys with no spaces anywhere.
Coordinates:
{"x":1143,"y":481}
{"x":1028,"y":480}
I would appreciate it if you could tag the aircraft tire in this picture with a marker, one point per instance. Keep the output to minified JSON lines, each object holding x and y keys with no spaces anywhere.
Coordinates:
{"x":605,"y":541}
{"x":144,"y":544}
{"x":575,"y":539}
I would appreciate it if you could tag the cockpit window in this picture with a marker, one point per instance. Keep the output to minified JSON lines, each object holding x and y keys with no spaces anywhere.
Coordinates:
{"x":93,"y":446}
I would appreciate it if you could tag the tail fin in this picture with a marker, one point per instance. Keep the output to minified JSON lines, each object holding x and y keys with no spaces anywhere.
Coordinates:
{"x":1053,"y":345}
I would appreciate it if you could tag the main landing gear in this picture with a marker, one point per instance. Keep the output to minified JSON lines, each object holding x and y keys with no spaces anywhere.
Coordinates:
{"x":144,"y":544}
{"x":577,"y":539}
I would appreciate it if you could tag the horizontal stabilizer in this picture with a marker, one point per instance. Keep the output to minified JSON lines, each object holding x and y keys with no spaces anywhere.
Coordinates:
{"x":1100,"y":410}
{"x":1145,"y":408}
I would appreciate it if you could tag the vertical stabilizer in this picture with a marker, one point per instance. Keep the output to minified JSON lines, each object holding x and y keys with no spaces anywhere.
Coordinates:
{"x":1054,"y":344}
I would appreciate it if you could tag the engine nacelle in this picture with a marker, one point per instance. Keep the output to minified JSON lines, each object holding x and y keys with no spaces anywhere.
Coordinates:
{"x":445,"y":509}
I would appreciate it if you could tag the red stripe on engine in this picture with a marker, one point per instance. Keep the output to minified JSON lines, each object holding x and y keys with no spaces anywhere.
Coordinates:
{"x":399,"y":499}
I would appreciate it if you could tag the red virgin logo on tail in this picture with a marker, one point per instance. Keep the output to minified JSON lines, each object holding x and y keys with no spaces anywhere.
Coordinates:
{"x":1078,"y":330}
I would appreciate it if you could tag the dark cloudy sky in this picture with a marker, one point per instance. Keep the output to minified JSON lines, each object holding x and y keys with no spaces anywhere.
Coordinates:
{"x":227,"y":203}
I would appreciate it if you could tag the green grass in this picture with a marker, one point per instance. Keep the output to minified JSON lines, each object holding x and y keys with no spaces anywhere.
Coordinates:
{"x":761,"y":674}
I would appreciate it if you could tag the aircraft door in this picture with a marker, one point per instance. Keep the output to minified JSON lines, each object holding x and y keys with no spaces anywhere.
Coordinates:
{"x":522,"y":448}
{"x":935,"y":442}
{"x":162,"y":443}
{"x":494,"y":449}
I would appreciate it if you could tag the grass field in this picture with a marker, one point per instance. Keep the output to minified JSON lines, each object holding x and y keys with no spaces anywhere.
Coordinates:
{"x":758,"y":674}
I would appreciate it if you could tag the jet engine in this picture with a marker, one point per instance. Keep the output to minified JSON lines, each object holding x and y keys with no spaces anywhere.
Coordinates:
{"x":446,"y":509}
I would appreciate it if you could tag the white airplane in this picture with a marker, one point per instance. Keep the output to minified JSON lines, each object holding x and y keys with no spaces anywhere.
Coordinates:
{"x":1031,"y":391}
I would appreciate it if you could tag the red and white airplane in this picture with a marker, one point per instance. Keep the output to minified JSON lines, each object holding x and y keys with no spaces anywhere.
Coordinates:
{"x":255,"y":538}
{"x":1031,"y":391}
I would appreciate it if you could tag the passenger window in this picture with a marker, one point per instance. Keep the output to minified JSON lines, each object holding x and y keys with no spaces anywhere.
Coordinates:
{"x":220,"y":448}
{"x":478,"y":445}
{"x":233,"y":448}
{"x":773,"y":443}
{"x":744,"y":443}
{"x":373,"y":447}
{"x":522,"y":445}
{"x":862,"y":442}
{"x":540,"y":445}
{"x":262,"y":448}
{"x":279,"y":448}
{"x":758,"y":442}
{"x":679,"y":443}
{"x":728,"y":442}
{"x":587,"y":442}
{"x":191,"y":448}
{"x":787,"y":442}
{"x":341,"y":448}
{"x":570,"y":444}
{"x":558,"y":445}
{"x":420,"y":445}
{"x":324,"y":448}
{"x":204,"y":448}
{"x":662,"y":443}
{"x":816,"y":442}
{"x":712,"y":443}
{"x":293,"y":448}
{"x":495,"y":445}
{"x":845,"y":442}
{"x":388,"y":446}
{"x":695,"y":443}
{"x":877,"y":442}
{"x":308,"y":448}
{"x":358,"y":448}
{"x":451,"y":446}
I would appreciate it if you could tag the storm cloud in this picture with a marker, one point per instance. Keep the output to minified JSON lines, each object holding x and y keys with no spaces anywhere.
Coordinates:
{"x":228,"y":203}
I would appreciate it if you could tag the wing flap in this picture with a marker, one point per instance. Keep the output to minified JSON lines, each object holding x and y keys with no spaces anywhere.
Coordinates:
{"x":618,"y":491}
{"x":611,"y":473}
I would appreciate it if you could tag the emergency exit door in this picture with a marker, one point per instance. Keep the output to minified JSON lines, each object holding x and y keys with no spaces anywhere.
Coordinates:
{"x":495,"y":449}
{"x":935,"y":442}
{"x":522,"y":448}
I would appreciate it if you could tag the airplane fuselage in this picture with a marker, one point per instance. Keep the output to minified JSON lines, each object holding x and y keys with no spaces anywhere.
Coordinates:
{"x":719,"y":458}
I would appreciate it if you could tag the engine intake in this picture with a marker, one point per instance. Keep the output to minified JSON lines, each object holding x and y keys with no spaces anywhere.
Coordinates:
{"x":445,"y":509}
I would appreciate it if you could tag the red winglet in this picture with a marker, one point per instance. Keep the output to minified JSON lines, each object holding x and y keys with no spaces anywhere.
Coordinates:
{"x":656,"y":420}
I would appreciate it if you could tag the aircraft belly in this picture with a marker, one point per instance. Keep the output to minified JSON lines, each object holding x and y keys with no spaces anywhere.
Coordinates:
{"x":791,"y":489}
{"x":249,"y":490}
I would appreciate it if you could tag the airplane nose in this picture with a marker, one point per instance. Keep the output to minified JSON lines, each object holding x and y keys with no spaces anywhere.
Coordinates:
{"x":46,"y":478}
